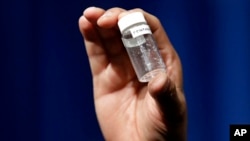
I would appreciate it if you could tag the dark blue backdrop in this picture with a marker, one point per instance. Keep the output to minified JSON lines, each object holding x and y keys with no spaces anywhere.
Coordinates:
{"x":45,"y":91}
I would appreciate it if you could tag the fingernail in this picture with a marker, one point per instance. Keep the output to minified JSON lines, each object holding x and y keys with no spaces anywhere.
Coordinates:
{"x":89,"y":9}
{"x":107,"y":14}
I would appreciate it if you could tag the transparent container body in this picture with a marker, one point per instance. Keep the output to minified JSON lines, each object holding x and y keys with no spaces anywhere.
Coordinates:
{"x":144,"y":55}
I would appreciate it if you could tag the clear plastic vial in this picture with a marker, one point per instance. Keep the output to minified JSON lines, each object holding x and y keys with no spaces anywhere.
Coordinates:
{"x":141,"y":46}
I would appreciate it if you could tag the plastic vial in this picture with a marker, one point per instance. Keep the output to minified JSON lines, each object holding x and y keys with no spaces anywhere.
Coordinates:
{"x":141,"y":46}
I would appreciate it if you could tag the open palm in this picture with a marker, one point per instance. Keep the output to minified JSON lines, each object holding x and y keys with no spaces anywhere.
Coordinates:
{"x":127,"y":109}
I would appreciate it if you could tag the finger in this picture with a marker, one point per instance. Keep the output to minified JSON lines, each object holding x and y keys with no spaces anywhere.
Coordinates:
{"x":110,"y":33}
{"x":103,"y":42}
{"x":92,"y":14}
{"x":171,"y":103}
{"x":110,"y":18}
{"x":105,"y":23}
{"x":115,"y":51}
{"x":88,"y":27}
{"x":169,"y":99}
{"x":96,"y":54}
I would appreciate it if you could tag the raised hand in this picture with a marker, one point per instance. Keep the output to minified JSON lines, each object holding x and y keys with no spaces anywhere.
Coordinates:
{"x":127,"y":109}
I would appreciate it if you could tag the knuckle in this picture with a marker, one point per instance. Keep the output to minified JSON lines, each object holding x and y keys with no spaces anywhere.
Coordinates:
{"x":138,"y":10}
{"x":116,"y":9}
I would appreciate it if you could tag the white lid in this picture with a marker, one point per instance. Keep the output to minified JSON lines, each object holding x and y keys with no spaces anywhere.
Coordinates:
{"x":130,"y":19}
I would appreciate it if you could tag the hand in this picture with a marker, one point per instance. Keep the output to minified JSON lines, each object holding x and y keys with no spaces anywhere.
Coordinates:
{"x":128,"y":110}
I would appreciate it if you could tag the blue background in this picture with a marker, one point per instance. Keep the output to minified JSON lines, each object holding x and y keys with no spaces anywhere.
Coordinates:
{"x":45,"y":80}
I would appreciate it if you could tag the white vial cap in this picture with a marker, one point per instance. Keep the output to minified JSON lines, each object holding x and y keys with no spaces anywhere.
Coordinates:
{"x":130,"y":19}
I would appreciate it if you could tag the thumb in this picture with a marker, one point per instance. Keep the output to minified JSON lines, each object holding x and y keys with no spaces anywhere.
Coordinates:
{"x":170,"y":100}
